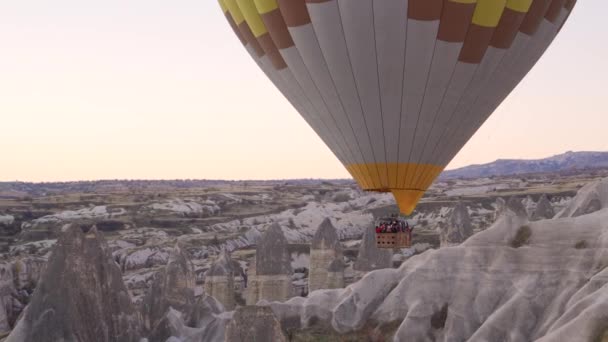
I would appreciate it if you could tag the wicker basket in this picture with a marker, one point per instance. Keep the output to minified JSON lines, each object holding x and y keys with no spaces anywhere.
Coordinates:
{"x":393,"y":240}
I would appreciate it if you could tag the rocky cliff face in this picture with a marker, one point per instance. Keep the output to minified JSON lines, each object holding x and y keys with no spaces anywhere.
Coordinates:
{"x":80,"y":296}
{"x":7,"y":291}
{"x":590,"y":198}
{"x":516,"y":281}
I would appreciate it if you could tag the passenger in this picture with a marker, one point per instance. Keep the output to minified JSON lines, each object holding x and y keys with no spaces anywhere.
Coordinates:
{"x":377,"y":229}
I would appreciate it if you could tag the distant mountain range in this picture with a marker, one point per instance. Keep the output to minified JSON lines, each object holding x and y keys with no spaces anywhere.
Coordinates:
{"x":504,"y":167}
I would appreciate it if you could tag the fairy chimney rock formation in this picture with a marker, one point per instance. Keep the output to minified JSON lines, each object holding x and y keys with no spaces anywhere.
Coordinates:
{"x":370,"y":256}
{"x":335,"y":274}
{"x":172,"y":287}
{"x":219,"y":281}
{"x":458,"y":228}
{"x":80,"y":296}
{"x":324,"y":249}
{"x":253,"y":291}
{"x":544,"y":209}
{"x":273,"y":266}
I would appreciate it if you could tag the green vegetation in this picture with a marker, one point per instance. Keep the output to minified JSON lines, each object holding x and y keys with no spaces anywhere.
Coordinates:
{"x":521,"y":237}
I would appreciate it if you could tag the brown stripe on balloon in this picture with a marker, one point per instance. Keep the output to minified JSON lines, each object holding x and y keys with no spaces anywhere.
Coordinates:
{"x":294,"y":12}
{"x":272,"y":52}
{"x":535,"y":16}
{"x":507,"y":28}
{"x":235,"y":28}
{"x":476,"y":44}
{"x":455,"y":21}
{"x":425,"y":9}
{"x":278,"y":29}
{"x":554,"y":10}
{"x":250,"y":38}
{"x":570,"y":4}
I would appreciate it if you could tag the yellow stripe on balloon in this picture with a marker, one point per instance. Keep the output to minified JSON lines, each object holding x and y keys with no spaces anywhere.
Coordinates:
{"x":488,"y":12}
{"x":252,"y":17}
{"x":522,"y":6}
{"x":223,"y":6}
{"x":384,"y":177}
{"x":407,"y":199}
{"x":235,"y":11}
{"x":265,"y":6}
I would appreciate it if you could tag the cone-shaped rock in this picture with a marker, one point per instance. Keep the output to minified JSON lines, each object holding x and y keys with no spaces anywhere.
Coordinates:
{"x":516,"y":206}
{"x":219,"y":280}
{"x":209,"y":327}
{"x":326,"y":236}
{"x":458,"y":228}
{"x":370,"y":256}
{"x":172,"y":287}
{"x":335,"y":274}
{"x":324,"y":249}
{"x":254,"y":323}
{"x":252,"y":293}
{"x":544,"y":209}
{"x":273,"y":265}
{"x":81,"y":295}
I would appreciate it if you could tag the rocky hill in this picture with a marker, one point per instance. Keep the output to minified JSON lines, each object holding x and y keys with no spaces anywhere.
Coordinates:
{"x":503,"y":167}
{"x":544,"y":281}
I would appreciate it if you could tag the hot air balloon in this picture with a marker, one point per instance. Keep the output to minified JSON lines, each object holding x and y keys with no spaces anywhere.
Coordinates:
{"x":395,"y":88}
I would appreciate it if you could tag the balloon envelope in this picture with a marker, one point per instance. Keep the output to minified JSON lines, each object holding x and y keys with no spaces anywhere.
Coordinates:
{"x":395,"y":88}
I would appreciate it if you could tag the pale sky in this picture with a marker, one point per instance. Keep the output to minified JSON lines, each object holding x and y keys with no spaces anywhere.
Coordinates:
{"x":163,"y":90}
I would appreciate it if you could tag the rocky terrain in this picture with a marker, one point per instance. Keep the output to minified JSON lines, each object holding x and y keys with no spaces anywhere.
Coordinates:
{"x":158,"y":237}
{"x":516,"y":281}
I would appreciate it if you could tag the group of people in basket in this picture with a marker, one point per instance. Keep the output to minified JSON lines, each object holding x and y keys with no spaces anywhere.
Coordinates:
{"x":395,"y":226}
